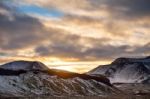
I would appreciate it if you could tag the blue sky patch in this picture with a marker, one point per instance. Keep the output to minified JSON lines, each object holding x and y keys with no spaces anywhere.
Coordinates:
{"x":33,"y":9}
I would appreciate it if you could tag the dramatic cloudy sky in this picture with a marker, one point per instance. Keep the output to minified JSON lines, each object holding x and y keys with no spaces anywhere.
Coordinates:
{"x":75,"y":35}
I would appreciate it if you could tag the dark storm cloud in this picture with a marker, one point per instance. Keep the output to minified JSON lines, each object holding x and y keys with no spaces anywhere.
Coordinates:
{"x":145,"y":49}
{"x":71,"y":46}
{"x":134,"y":7}
{"x":124,"y":8}
{"x":3,"y":6}
{"x":65,"y":47}
{"x":102,"y":52}
{"x":18,"y":31}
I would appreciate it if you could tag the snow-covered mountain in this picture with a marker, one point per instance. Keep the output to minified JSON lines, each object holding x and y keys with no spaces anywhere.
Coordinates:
{"x":24,"y":65}
{"x":126,"y":70}
{"x":24,"y":78}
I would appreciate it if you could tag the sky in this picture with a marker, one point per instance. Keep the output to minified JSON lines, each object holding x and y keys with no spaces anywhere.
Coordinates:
{"x":74,"y":35}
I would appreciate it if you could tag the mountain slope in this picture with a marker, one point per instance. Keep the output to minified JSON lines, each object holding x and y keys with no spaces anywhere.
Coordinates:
{"x":126,"y":70}
{"x":23,"y":80}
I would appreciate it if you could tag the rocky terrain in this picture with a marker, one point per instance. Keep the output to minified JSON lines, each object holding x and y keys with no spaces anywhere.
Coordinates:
{"x":124,"y":78}
{"x":25,"y":78}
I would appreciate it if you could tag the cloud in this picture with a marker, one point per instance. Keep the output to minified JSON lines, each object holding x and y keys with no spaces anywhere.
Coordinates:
{"x":99,"y":17}
{"x":90,"y":30}
{"x":66,"y":45}
{"x":19,"y":32}
{"x":88,"y":49}
{"x":134,"y":8}
{"x":95,"y":53}
{"x":123,"y":8}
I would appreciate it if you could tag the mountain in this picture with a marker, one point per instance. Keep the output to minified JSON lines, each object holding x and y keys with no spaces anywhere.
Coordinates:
{"x":27,"y":78}
{"x":126,"y":70}
{"x":24,"y":65}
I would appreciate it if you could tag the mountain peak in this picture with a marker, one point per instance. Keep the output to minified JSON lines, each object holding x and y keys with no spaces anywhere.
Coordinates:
{"x":24,"y":65}
{"x":148,"y":57}
{"x":121,"y":60}
{"x":126,"y":70}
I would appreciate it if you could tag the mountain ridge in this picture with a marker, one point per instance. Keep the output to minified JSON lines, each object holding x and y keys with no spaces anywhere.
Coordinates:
{"x":21,"y":79}
{"x":127,"y":70}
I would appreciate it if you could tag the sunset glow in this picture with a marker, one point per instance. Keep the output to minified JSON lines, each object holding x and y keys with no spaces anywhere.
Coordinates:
{"x":73,"y":35}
